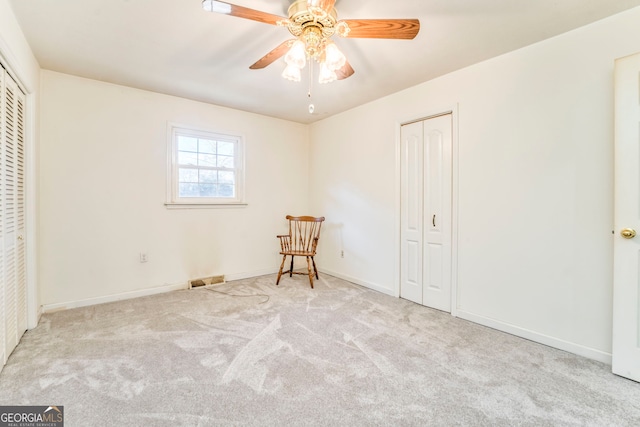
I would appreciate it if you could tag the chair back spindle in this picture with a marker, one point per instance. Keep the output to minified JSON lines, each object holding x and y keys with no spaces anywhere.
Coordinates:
{"x":304,"y":232}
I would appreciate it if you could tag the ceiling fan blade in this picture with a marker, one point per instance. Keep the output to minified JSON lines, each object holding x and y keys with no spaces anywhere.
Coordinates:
{"x":324,"y":5}
{"x":383,"y":28}
{"x":272,"y":56}
{"x":345,"y":71}
{"x":240,"y":11}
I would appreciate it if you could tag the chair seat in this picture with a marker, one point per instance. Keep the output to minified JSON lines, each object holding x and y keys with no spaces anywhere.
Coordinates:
{"x":298,"y":253}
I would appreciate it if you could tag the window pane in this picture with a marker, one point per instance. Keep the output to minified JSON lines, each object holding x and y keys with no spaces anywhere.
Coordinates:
{"x":186,"y":143}
{"x":187,"y":159}
{"x":207,"y":160}
{"x":207,"y":190}
{"x":188,"y":175}
{"x":225,"y":162}
{"x":226,"y":190}
{"x":188,"y":190}
{"x":208,"y":177}
{"x":207,"y":146}
{"x":226,"y":148}
{"x":226,"y":177}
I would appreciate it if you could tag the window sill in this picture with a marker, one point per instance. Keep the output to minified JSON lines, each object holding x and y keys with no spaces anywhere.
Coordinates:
{"x":220,"y":205}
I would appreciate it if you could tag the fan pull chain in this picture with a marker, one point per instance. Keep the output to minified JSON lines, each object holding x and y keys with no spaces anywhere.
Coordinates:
{"x":310,"y":76}
{"x":311,"y":106}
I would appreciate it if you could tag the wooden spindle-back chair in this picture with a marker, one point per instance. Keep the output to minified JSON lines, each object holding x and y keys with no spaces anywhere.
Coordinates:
{"x":302,"y":240}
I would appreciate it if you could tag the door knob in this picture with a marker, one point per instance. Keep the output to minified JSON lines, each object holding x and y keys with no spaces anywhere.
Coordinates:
{"x":628,"y":233}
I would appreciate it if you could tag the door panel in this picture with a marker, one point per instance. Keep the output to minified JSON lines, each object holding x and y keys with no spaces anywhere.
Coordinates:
{"x":21,"y":253}
{"x":4,"y":353}
{"x":411,"y":235}
{"x":433,"y":180}
{"x":414,"y":270}
{"x":9,"y":223}
{"x":434,"y":260}
{"x":438,"y":176}
{"x":626,"y":265}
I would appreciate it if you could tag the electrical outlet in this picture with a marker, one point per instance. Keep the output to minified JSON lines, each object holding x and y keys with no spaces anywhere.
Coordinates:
{"x":144,"y":257}
{"x":342,"y":254}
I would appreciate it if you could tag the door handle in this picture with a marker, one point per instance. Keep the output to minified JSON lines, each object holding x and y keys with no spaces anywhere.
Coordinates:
{"x":628,"y":233}
{"x":433,"y":220}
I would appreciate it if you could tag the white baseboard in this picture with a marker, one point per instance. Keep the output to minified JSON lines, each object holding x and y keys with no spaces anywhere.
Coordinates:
{"x":560,"y":344}
{"x":574,"y":348}
{"x":366,"y":284}
{"x":48,"y":308}
{"x":249,"y":274}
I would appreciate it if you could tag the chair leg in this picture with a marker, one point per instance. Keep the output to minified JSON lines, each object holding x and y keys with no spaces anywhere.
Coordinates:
{"x":281,"y":267}
{"x":310,"y":273}
{"x":291,"y":269}
{"x":314,"y":268}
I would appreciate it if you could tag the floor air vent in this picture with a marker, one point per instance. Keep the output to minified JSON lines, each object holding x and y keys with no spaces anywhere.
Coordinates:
{"x":205,"y":281}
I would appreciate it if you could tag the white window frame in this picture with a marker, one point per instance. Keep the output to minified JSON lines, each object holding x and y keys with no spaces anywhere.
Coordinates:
{"x":173,"y":198}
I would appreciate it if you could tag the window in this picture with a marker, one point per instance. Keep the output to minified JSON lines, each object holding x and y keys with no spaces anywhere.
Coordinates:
{"x":206,"y":168}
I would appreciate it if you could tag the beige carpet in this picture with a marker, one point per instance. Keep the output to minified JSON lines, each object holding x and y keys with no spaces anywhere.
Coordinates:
{"x":338,"y":355}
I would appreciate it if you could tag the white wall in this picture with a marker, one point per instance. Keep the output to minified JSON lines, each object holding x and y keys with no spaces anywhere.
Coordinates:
{"x":103,"y":188}
{"x":16,"y":54}
{"x":15,"y":50}
{"x":535,"y":204}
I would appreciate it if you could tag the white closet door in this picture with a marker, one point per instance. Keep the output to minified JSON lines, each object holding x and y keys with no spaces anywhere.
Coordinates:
{"x":411,"y":233}
{"x":10,"y":236}
{"x":20,"y":198}
{"x":4,"y":352}
{"x":626,"y":246}
{"x":437,"y":208}
{"x":12,"y":214}
{"x":426,"y":221}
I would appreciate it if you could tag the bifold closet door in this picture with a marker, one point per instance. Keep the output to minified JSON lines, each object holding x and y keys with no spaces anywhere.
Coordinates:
{"x":426,"y":198}
{"x":411,"y":211}
{"x":13,"y":299}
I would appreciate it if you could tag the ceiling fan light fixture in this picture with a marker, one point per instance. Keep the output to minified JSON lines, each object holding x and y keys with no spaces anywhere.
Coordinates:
{"x":291,"y":72}
{"x":296,"y":56}
{"x":326,"y":74}
{"x":334,"y":58}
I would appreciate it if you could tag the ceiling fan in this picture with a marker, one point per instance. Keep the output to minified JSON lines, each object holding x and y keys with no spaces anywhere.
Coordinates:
{"x":313,"y":23}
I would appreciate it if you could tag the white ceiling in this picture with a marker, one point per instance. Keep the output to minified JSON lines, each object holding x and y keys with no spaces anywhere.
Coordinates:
{"x":174,"y":47}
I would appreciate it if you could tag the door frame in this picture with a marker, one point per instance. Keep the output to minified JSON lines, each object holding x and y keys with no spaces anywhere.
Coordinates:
{"x":429,"y":114}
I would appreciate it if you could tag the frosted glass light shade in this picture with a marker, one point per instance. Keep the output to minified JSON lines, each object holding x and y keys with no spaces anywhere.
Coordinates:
{"x":326,"y":75}
{"x":292,"y":73}
{"x":296,"y":55}
{"x":333,"y":57}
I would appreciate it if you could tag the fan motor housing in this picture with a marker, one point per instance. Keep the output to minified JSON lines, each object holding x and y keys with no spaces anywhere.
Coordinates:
{"x":301,"y":17}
